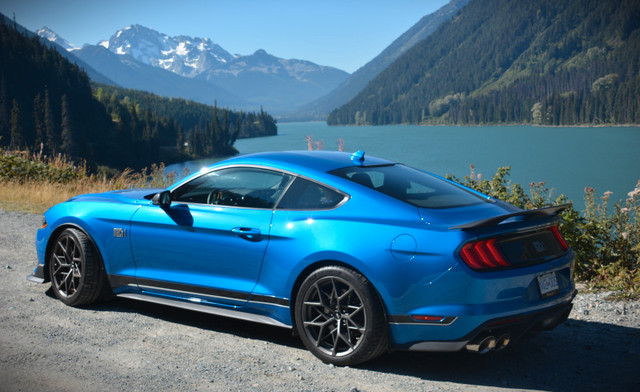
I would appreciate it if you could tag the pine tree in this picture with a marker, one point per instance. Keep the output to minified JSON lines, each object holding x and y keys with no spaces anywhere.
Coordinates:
{"x":193,"y":141}
{"x":134,"y":122}
{"x":5,"y":130}
{"x":69,"y":145}
{"x":17,"y":140}
{"x":146,"y":132}
{"x":38,"y":121}
{"x":51,"y":129}
{"x":180,"y":139}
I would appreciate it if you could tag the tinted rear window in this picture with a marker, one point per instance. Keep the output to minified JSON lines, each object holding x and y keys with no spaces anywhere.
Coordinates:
{"x":308,"y":195}
{"x":410,"y":185}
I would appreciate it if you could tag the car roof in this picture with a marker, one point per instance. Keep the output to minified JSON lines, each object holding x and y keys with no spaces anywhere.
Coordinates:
{"x":318,"y":161}
{"x":314,"y":164}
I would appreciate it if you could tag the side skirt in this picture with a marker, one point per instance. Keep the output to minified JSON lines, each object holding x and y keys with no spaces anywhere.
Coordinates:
{"x":206,"y":309}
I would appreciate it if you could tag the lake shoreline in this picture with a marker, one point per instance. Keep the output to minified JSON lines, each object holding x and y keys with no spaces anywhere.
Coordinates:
{"x":472,"y":125}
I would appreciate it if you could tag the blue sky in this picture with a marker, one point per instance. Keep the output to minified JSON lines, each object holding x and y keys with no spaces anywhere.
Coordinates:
{"x":341,"y":33}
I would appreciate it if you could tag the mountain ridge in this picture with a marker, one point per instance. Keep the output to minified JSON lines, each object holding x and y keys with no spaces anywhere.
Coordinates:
{"x":320,"y":108}
{"x":130,"y":73}
{"x":52,"y":36}
{"x":256,"y":80}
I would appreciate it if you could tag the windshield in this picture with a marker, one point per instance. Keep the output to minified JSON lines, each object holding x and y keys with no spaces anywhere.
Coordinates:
{"x":410,"y":185}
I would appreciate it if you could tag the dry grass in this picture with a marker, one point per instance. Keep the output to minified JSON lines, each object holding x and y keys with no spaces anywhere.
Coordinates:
{"x":33,"y":183}
{"x":38,"y":197}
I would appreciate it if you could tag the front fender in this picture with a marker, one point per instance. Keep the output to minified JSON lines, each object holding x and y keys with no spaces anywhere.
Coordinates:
{"x":106,"y":224}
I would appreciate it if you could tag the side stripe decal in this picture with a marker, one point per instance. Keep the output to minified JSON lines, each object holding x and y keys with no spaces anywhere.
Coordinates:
{"x":118,"y":280}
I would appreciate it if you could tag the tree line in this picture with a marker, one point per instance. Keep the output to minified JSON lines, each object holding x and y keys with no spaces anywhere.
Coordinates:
{"x":49,"y":104}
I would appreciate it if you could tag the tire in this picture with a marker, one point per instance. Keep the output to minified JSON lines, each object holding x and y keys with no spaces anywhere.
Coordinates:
{"x":75,"y":269}
{"x":339,"y":317}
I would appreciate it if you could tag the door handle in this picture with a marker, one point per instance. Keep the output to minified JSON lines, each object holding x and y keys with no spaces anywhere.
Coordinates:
{"x":247,"y":233}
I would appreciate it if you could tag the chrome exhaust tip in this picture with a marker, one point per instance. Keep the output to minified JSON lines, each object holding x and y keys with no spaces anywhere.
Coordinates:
{"x":503,"y":341}
{"x":482,"y":346}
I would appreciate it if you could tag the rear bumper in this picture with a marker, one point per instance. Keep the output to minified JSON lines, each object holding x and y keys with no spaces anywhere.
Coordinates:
{"x":515,"y":326}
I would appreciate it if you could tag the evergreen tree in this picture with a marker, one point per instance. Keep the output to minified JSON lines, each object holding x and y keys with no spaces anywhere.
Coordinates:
{"x":39,"y":121}
{"x":17,"y":141}
{"x":134,"y":123}
{"x":5,"y":130}
{"x":51,"y":129}
{"x":146,"y":133}
{"x":69,"y":144}
{"x":180,"y":139}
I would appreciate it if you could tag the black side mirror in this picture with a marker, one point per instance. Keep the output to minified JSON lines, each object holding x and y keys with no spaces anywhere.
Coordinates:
{"x":162,"y":199}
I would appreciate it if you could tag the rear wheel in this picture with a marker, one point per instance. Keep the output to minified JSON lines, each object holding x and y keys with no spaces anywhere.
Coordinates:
{"x":75,"y":269}
{"x":339,"y":317}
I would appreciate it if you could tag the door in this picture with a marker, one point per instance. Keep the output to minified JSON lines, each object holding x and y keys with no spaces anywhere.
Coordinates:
{"x":208,"y":245}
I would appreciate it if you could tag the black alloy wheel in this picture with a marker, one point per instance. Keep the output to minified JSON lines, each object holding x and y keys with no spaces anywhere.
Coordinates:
{"x":75,"y":269}
{"x":339,"y":317}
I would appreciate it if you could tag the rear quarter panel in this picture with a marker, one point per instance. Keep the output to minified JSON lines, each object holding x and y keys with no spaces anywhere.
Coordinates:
{"x":360,"y":234}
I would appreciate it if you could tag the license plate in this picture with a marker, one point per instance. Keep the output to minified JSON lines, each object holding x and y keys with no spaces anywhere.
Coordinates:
{"x":548,"y":284}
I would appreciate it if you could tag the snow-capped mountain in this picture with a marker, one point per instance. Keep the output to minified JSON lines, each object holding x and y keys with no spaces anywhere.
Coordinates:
{"x":184,"y":55}
{"x":201,"y":57}
{"x":51,"y":36}
{"x":260,"y":79}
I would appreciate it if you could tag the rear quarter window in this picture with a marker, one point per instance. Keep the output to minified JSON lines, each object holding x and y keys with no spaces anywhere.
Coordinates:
{"x":308,"y":195}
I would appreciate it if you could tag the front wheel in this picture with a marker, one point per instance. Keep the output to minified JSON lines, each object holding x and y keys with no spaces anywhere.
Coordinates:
{"x":339,"y":317}
{"x":75,"y":269}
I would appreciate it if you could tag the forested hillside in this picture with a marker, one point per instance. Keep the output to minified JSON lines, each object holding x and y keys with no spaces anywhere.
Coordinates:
{"x":154,"y":128}
{"x":318,"y":109}
{"x":47,"y":102}
{"x":544,"y":62}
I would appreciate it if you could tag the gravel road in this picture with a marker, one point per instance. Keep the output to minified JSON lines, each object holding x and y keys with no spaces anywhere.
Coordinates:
{"x":130,"y":346}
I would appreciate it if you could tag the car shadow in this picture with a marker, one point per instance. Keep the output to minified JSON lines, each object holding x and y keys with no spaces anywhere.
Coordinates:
{"x":228,"y":325}
{"x":576,"y":356}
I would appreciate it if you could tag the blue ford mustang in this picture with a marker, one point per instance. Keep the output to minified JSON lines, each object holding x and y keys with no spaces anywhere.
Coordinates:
{"x":357,"y":255}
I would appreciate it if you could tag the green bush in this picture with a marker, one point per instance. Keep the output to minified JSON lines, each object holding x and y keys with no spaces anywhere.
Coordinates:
{"x":607,"y":243}
{"x":21,"y":168}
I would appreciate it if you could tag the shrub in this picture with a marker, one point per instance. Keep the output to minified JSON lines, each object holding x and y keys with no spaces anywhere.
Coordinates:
{"x":33,"y":183}
{"x":18,"y":166}
{"x":607,"y":243}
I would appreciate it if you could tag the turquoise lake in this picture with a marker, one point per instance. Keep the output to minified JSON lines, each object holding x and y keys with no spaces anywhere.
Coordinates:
{"x":566,"y":159}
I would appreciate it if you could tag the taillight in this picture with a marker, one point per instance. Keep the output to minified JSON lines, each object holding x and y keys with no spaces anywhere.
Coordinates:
{"x":559,"y":237}
{"x":483,"y":254}
{"x":516,"y":250}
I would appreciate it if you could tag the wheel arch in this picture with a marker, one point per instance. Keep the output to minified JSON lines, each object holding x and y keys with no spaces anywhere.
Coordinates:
{"x":316,"y":266}
{"x":54,"y":235}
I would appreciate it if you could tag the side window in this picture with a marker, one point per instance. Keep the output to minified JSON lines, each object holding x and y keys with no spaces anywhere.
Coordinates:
{"x":237,"y":186}
{"x":308,"y":195}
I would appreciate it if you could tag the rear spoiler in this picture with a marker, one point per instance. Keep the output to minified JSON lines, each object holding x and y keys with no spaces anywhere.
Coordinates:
{"x":524,"y":215}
